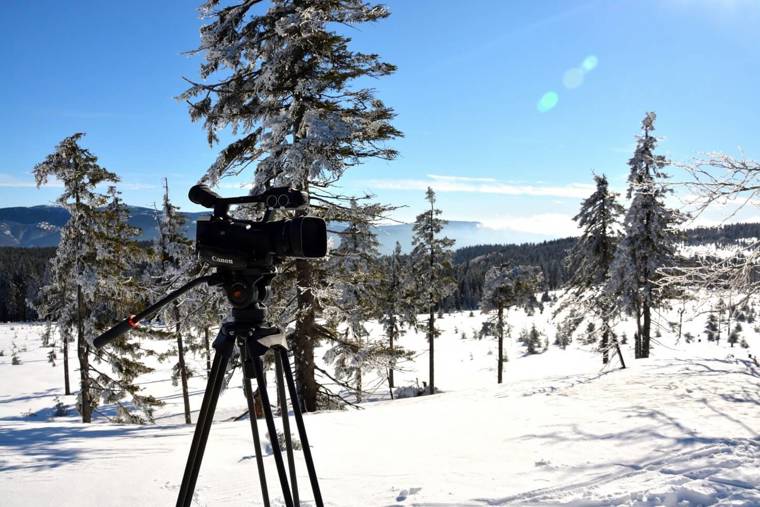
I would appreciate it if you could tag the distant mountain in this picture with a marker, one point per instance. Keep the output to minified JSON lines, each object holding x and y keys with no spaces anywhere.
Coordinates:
{"x":39,"y":226}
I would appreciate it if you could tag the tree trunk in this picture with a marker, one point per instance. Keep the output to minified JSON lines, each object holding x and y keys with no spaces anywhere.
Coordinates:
{"x":66,"y":384}
{"x":637,"y":337}
{"x":605,"y":344}
{"x":431,"y":342}
{"x":303,"y":345}
{"x":207,"y":346}
{"x":390,"y":346}
{"x":182,"y":370}
{"x":83,"y":352}
{"x":500,"y":332}
{"x":645,"y":330}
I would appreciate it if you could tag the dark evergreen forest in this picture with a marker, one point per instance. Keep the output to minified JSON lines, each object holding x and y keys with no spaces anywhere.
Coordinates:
{"x":22,"y":270}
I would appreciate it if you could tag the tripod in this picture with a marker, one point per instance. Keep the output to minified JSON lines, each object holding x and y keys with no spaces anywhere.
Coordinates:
{"x":247,"y":328}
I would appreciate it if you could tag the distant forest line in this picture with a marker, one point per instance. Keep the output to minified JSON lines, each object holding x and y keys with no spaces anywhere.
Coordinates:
{"x":23,"y":270}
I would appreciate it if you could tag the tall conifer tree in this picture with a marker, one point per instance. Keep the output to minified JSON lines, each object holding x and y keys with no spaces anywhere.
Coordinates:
{"x":395,"y":305}
{"x":590,"y":260}
{"x":433,"y":273}
{"x":94,"y":257}
{"x":649,"y":241}
{"x":174,"y":265}
{"x":284,"y":83}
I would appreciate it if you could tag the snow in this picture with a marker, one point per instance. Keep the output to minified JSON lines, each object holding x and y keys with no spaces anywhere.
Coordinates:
{"x":681,"y":428}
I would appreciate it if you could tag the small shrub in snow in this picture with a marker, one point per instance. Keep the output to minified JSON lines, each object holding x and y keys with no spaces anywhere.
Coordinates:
{"x":533,"y":340}
{"x":688,"y":337}
{"x":15,"y":360}
{"x":744,"y":344}
{"x":471,"y":314}
{"x":59,"y":409}
{"x":408,"y":392}
{"x":2,"y":353}
{"x":281,"y":440}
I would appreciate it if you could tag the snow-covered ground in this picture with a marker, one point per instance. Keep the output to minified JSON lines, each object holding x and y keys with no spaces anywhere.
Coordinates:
{"x":681,"y":428}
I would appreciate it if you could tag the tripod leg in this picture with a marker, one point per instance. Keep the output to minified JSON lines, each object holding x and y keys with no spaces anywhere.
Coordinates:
{"x":286,"y":426}
{"x":256,"y":441}
{"x":205,"y":417}
{"x":262,"y":383}
{"x":288,"y":374}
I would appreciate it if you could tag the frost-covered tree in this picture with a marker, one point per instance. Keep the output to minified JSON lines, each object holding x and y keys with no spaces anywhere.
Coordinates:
{"x":50,"y":304}
{"x":712,"y":328}
{"x":505,"y":287}
{"x":648,"y":245}
{"x":356,"y":279}
{"x":284,"y":82}
{"x":590,"y":260}
{"x":174,"y":265}
{"x":93,"y":261}
{"x":396,"y":310}
{"x":729,"y":184}
{"x":432,"y":271}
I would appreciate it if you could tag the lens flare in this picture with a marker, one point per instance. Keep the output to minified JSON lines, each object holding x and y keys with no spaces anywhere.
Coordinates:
{"x":573,"y":78}
{"x":547,"y":102}
{"x":590,"y":63}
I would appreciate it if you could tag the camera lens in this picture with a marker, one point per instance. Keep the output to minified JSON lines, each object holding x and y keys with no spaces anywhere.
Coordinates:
{"x":271,"y":201}
{"x":283,"y":200}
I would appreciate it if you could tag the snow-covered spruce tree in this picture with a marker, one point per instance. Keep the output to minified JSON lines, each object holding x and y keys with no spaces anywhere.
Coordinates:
{"x":648,"y":245}
{"x":284,"y":83}
{"x":50,"y":304}
{"x":395,"y":307}
{"x":503,"y":288}
{"x":95,"y":255}
{"x":355,"y":277}
{"x":174,"y":265}
{"x":590,"y":259}
{"x":433,"y":273}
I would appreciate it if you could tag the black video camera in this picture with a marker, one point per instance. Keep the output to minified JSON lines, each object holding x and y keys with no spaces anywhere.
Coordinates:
{"x":223,"y":241}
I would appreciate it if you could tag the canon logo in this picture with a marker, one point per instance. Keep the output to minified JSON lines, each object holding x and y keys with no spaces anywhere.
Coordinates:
{"x":222,"y":260}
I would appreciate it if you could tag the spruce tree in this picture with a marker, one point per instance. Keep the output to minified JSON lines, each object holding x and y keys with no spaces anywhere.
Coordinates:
{"x":712,"y":328}
{"x":50,"y":304}
{"x":284,"y":83}
{"x":356,"y":280}
{"x":433,"y":273}
{"x":173,"y":266}
{"x":394,"y":305}
{"x":503,"y":288}
{"x":90,"y":281}
{"x":648,"y":245}
{"x":590,"y":260}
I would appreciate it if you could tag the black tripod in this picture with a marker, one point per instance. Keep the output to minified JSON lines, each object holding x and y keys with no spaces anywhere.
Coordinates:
{"x":246,"y":290}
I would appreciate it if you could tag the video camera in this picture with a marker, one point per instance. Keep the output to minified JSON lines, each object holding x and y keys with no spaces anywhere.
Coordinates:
{"x":223,"y":241}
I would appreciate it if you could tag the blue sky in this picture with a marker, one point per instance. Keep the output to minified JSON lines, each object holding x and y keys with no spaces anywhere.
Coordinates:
{"x":468,"y":94}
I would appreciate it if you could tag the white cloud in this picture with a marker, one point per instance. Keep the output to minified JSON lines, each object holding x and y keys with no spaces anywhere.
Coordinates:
{"x":440,"y":177}
{"x":546,"y":224}
{"x":10,"y":181}
{"x":484,"y":186}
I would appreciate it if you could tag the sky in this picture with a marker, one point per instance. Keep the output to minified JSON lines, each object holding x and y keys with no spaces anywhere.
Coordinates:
{"x":507,"y":107}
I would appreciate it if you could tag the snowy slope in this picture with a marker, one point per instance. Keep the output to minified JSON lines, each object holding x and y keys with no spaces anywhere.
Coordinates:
{"x":682,"y":428}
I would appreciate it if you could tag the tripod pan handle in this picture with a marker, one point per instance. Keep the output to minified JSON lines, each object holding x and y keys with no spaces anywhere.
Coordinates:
{"x":118,"y":330}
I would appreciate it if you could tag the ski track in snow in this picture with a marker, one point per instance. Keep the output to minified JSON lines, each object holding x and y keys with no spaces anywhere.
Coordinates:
{"x":680,"y":429}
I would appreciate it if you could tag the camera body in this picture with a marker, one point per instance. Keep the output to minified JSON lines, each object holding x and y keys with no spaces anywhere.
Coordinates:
{"x":226,"y":242}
